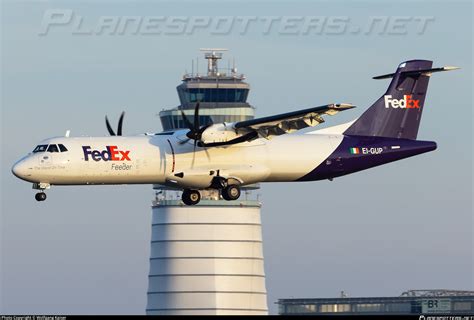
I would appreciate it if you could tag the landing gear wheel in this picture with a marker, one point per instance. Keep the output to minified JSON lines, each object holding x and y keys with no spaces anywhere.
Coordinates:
{"x":40,"y":196}
{"x":219,"y":183}
{"x":191,"y":197}
{"x":231,"y":192}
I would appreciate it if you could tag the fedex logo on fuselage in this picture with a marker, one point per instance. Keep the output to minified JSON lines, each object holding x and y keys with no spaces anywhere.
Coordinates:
{"x":111,"y":153}
{"x":406,"y":103}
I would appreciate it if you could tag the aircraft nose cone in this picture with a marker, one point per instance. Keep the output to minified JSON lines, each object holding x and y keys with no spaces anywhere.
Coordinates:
{"x":20,"y":169}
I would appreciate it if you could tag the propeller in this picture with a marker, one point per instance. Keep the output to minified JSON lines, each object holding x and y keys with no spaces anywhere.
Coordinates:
{"x":195,"y":129}
{"x":119,"y":127}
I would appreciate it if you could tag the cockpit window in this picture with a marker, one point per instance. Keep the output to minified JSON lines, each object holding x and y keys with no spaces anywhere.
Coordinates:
{"x":62,"y":147}
{"x":53,"y":148}
{"x":40,"y":148}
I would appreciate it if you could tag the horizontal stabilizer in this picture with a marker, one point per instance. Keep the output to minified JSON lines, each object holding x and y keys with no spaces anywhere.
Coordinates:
{"x":416,"y":72}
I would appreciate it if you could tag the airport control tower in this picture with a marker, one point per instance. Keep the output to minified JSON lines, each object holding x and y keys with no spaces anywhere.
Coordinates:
{"x":207,"y":258}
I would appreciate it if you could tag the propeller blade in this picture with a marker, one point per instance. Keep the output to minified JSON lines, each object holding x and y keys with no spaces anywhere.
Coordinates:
{"x":207,"y":153}
{"x":194,"y":154}
{"x":120,"y":124}
{"x":186,"y":121}
{"x":196,"y":117}
{"x":109,"y":128}
{"x":194,"y":128}
{"x":201,"y":130}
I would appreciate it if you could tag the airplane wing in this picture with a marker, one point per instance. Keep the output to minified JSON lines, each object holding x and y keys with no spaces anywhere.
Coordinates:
{"x":223,"y":134}
{"x":267,"y":127}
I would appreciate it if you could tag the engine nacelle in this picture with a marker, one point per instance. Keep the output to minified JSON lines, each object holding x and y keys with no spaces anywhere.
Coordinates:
{"x":218,"y":133}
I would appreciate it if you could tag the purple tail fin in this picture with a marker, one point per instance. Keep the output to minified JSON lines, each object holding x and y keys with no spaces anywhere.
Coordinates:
{"x":397,"y":113}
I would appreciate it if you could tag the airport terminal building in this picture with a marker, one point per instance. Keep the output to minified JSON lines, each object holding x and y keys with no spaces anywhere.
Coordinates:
{"x":410,"y":302}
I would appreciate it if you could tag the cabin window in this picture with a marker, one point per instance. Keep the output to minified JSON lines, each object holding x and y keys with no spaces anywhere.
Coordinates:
{"x":62,"y":148}
{"x":53,"y":148}
{"x":40,"y":148}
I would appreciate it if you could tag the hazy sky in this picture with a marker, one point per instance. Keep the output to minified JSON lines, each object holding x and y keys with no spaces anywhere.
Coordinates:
{"x":405,"y":225}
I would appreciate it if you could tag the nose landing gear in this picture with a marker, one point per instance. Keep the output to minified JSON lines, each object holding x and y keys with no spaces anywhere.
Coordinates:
{"x":40,"y":196}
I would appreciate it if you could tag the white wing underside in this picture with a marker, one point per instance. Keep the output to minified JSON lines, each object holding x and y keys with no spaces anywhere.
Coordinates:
{"x":292,"y":123}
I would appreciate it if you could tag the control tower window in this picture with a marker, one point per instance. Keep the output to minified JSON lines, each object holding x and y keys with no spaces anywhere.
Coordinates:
{"x":53,"y":148}
{"x":216,"y":95}
{"x":195,"y":95}
{"x":40,"y":148}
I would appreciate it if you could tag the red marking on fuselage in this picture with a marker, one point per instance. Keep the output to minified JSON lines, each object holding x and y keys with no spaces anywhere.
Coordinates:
{"x":172,"y":152}
{"x":125,"y":155}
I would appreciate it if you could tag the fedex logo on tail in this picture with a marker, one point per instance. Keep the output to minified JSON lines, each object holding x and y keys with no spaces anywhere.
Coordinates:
{"x":406,"y":103}
{"x":111,"y":153}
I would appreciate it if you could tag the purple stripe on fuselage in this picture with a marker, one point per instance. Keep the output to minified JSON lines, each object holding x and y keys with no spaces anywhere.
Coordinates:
{"x":356,"y":153}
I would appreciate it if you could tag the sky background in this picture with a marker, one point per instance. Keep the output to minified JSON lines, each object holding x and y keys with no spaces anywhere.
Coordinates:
{"x":405,"y":225}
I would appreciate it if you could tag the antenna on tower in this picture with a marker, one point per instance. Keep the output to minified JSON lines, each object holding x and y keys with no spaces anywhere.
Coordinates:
{"x":234,"y":69}
{"x":212,"y":55}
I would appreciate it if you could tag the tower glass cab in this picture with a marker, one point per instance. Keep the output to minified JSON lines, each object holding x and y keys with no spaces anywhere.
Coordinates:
{"x":222,"y":94}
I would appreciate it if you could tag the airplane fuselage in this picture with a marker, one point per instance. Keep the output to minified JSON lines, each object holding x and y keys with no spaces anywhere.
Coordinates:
{"x":165,"y":159}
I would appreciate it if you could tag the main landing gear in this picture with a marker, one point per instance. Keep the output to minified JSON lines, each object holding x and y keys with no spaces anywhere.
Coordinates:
{"x":230,"y":190}
{"x":229,"y":193}
{"x":191,"y":197}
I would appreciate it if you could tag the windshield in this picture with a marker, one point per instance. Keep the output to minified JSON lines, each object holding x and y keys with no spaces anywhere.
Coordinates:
{"x":53,"y":148}
{"x":62,"y":147}
{"x":40,"y":148}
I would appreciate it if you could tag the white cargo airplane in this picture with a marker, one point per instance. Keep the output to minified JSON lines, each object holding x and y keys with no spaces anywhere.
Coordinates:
{"x":226,"y":156}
